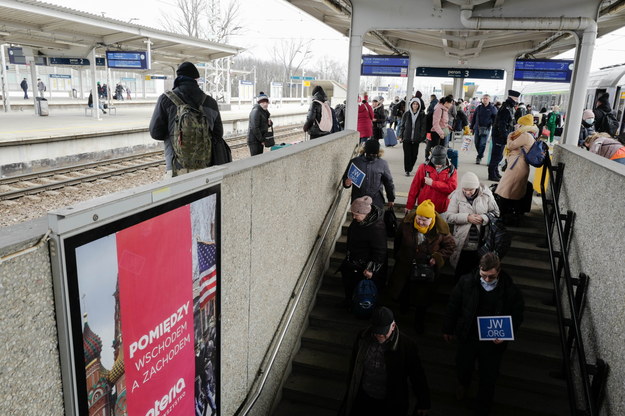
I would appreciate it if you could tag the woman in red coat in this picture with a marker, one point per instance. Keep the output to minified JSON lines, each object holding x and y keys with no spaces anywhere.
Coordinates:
{"x":365,"y":119}
{"x":435,"y":180}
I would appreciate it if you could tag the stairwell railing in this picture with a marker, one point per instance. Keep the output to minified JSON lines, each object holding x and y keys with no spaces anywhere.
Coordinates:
{"x":570,"y":299}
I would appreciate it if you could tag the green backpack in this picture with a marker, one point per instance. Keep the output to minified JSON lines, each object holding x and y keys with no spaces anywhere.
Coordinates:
{"x":192,"y":140}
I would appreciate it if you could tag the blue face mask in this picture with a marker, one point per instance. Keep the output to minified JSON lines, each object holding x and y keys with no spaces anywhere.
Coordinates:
{"x":589,"y":120}
{"x":488,"y":286}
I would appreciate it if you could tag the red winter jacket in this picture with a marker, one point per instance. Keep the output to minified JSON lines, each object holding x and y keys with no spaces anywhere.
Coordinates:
{"x":365,"y":120}
{"x":444,"y":184}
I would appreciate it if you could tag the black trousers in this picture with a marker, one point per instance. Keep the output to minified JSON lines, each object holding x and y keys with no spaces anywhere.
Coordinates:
{"x":436,"y":140}
{"x":496,"y":154}
{"x":365,"y":405}
{"x":488,"y":356}
{"x":411,"y":151}
{"x":256,"y":148}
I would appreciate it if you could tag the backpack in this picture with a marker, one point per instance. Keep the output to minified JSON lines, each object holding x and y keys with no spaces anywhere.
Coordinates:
{"x":325,"y":124}
{"x":537,"y":154}
{"x":364,"y":298}
{"x":192,"y":140}
{"x":610,"y":123}
{"x":494,"y":237}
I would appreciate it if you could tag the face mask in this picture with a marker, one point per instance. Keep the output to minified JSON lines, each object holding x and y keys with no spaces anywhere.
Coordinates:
{"x":589,"y":120}
{"x":488,"y":286}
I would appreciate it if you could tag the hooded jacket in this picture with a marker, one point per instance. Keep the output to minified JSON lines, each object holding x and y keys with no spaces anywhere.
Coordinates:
{"x":314,"y":116}
{"x":258,"y":124}
{"x":163,"y":119}
{"x":458,"y":212}
{"x":440,"y":120}
{"x":513,"y":183}
{"x":365,"y":119}
{"x":409,"y":132}
{"x":377,"y":175}
{"x":444,"y":184}
{"x":366,"y":241}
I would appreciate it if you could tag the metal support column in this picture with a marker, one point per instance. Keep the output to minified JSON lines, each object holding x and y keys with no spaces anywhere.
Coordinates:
{"x":509,"y":79}
{"x":579,"y":85}
{"x":80,"y":83}
{"x":353,"y":77}
{"x":33,"y":84}
{"x":458,"y":90}
{"x":94,"y":87}
{"x":6,"y":102}
{"x":412,"y":70}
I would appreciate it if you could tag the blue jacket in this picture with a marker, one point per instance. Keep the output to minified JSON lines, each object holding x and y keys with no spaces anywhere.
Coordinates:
{"x":484,"y":116}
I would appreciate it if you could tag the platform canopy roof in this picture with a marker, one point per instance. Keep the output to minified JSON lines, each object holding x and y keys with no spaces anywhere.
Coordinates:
{"x":437,"y":25}
{"x":62,"y":32}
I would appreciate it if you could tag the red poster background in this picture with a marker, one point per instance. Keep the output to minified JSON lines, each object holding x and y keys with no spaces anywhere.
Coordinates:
{"x":155,"y":282}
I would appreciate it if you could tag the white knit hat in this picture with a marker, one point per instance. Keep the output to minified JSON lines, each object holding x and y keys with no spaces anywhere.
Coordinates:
{"x":469,"y":181}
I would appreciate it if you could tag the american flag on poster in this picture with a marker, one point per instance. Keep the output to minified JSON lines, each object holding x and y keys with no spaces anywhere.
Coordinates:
{"x":206,"y":254}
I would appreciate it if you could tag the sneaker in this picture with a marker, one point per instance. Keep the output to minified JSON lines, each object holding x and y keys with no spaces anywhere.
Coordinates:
{"x":478,"y":160}
{"x":495,"y":179}
{"x":104,"y":112}
{"x":407,"y":173}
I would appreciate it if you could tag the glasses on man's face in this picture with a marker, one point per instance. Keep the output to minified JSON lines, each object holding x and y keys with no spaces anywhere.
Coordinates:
{"x":491,"y":276}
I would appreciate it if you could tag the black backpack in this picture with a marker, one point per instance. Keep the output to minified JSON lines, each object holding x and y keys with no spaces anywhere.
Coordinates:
{"x":609,"y":123}
{"x":365,"y":298}
{"x":494,"y":237}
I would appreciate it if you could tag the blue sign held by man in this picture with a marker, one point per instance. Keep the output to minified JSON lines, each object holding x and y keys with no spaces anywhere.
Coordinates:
{"x":492,"y":328}
{"x":356,"y":175}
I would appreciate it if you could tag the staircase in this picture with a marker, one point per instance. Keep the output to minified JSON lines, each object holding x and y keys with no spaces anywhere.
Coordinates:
{"x":525,"y":386}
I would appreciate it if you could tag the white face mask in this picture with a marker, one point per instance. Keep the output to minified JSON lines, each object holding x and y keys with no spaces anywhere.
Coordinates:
{"x":589,"y":120}
{"x":488,"y":286}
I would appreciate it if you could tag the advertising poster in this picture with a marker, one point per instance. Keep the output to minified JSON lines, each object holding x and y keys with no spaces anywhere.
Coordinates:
{"x":148,"y":295}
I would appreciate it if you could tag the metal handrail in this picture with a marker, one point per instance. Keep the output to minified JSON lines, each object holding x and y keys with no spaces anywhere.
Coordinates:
{"x":574,"y":319}
{"x":287,"y":317}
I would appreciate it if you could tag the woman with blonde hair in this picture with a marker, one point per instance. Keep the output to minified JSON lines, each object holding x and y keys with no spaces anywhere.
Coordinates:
{"x":604,"y":145}
{"x":513,"y":185}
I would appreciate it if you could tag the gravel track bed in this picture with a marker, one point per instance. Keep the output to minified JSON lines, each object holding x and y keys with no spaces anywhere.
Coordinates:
{"x":30,"y":207}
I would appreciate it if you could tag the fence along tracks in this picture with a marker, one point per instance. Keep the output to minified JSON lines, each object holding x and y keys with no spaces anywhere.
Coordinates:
{"x":34,"y":183}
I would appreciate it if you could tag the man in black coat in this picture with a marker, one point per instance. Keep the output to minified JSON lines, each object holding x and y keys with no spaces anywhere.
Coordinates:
{"x":383,"y":361}
{"x":483,"y":119}
{"x":24,"y":86}
{"x":504,"y":125}
{"x":163,"y":119}
{"x":259,"y":124}
{"x":605,"y":120}
{"x":489,"y":291}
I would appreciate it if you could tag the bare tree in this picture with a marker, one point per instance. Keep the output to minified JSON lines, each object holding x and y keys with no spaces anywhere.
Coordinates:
{"x":188,"y":19}
{"x":222,"y":21}
{"x":292,"y":54}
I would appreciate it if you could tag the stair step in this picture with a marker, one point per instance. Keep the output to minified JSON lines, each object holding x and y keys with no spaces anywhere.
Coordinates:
{"x":291,"y":408}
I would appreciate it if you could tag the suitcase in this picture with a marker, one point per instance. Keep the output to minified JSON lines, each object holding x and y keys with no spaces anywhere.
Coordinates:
{"x":390,"y":137}
{"x":280,"y":146}
{"x":452,"y":154}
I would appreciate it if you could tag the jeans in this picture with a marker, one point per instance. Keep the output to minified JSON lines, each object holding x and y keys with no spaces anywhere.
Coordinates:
{"x":481,"y":137}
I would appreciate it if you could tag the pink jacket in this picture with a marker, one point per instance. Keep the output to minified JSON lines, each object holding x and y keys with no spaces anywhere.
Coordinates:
{"x":365,"y":120}
{"x":440,"y":120}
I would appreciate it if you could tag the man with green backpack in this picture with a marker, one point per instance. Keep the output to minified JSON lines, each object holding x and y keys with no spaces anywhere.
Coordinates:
{"x":189,"y":123}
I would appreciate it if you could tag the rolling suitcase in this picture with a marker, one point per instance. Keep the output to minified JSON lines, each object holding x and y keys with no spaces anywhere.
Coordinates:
{"x":390,"y":137}
{"x":452,"y":154}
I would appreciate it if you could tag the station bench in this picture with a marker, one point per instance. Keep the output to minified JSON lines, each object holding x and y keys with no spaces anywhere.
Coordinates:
{"x":109,"y":110}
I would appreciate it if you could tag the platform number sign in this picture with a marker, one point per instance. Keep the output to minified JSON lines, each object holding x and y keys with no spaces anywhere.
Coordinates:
{"x":495,"y":327}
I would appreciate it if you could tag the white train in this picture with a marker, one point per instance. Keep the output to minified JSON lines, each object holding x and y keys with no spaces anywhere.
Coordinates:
{"x":610,"y":79}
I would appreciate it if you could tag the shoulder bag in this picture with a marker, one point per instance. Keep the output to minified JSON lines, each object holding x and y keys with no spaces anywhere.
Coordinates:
{"x":268,"y":139}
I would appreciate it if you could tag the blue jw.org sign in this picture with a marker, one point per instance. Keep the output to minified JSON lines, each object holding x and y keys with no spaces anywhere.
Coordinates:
{"x":495,"y":328}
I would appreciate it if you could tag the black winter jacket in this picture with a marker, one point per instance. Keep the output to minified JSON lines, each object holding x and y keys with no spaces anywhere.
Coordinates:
{"x":258,"y":124}
{"x":163,"y":119}
{"x":402,"y":361}
{"x":314,"y":117}
{"x":407,"y":128}
{"x":378,"y":174}
{"x":366,"y":241}
{"x":462,"y":309}
{"x":504,"y":122}
{"x":484,"y":116}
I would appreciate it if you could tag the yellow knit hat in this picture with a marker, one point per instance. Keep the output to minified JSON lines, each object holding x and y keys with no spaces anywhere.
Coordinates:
{"x":426,"y":209}
{"x":526,"y":120}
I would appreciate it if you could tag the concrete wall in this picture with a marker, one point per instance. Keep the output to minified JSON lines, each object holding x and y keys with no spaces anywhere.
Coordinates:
{"x":593,"y":188}
{"x":273,"y":206}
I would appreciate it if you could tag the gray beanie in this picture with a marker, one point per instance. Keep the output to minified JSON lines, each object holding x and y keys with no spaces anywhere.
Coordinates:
{"x":362,"y":205}
{"x":469,"y":181}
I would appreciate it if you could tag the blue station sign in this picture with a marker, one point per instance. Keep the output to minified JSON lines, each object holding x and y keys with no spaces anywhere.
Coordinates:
{"x":60,"y":76}
{"x":548,"y":70}
{"x":127,"y":59}
{"x":384,"y":65}
{"x":428,"y":71}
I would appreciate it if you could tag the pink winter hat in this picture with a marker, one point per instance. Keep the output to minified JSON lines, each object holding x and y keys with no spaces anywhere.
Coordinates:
{"x":588,"y":114}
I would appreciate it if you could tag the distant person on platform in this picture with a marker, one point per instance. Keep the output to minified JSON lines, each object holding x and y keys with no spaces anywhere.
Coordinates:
{"x":482,"y":122}
{"x":24,"y":86}
{"x":313,"y":118}
{"x":504,"y":125}
{"x":365,"y":118}
{"x":163,"y":119}
{"x":259,"y":124}
{"x":605,"y":119}
{"x":433,"y":102}
{"x":41,"y":87}
{"x":587,"y":128}
{"x":90,"y":103}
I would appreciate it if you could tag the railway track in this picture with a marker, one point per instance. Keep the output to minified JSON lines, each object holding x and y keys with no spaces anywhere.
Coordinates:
{"x":34,"y":183}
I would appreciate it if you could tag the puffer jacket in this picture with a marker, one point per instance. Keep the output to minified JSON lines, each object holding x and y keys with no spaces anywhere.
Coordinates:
{"x":444,"y":184}
{"x":365,"y":120}
{"x":311,"y":126}
{"x":413,"y":133}
{"x":440,"y":120}
{"x":378,"y":175}
{"x":513,"y":183}
{"x":163,"y":119}
{"x":438,"y":244}
{"x":460,"y":317}
{"x":366,"y":241}
{"x":458,"y":212}
{"x":258,"y":124}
